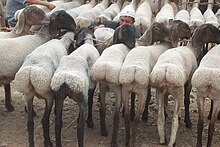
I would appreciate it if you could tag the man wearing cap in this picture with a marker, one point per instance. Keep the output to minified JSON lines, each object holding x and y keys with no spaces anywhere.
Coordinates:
{"x":127,"y":16}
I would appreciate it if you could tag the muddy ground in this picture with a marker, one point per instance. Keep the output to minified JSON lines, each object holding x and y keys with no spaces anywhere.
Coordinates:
{"x":13,"y":131}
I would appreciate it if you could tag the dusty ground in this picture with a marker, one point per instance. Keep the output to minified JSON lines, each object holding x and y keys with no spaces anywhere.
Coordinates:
{"x":13,"y":132}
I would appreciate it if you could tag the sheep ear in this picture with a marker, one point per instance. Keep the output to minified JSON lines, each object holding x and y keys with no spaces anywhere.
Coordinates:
{"x":146,"y":38}
{"x":175,"y":38}
{"x":20,"y":24}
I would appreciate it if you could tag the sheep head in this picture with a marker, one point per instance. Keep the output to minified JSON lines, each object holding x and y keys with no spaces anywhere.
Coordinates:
{"x":61,"y":20}
{"x":82,"y":35}
{"x":156,"y":32}
{"x":206,"y":33}
{"x":31,"y":15}
{"x":125,"y":34}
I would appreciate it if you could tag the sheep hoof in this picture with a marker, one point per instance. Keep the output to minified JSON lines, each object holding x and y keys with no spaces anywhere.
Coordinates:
{"x":10,"y":107}
{"x":165,"y":142}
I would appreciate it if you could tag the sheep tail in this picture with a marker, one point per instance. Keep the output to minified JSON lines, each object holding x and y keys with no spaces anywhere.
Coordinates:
{"x":75,"y":81}
{"x":134,"y":74}
{"x":22,"y":80}
{"x":104,"y":71}
{"x":206,"y":77}
{"x":28,"y":78}
{"x":167,"y":75}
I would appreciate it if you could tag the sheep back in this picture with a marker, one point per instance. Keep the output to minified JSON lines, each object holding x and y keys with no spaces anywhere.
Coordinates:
{"x":174,"y":66}
{"x":138,"y":64}
{"x":207,"y":74}
{"x":39,"y":66}
{"x":108,"y":66}
{"x":74,"y":69}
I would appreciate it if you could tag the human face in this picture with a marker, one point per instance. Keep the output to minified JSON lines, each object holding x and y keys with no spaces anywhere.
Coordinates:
{"x":126,"y":20}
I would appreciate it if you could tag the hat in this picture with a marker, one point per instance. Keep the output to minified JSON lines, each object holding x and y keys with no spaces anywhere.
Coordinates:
{"x":128,"y":12}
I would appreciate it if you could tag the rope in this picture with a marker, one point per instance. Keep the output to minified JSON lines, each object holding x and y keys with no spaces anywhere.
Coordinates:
{"x":101,"y":42}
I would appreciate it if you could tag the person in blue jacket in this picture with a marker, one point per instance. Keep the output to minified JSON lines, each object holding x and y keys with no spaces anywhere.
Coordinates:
{"x":13,"y":5}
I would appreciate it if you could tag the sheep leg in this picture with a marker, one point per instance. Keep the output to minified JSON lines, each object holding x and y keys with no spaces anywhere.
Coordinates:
{"x":59,"y":99}
{"x":145,"y":113}
{"x":178,"y":98}
{"x":132,"y":110}
{"x":200,"y":104}
{"x":29,"y":97}
{"x":125,"y":97}
{"x":161,"y":116}
{"x":142,"y":96}
{"x":118,"y":99}
{"x":46,"y":123}
{"x":210,"y":112}
{"x":216,"y":108}
{"x":80,"y":126}
{"x":89,"y":121}
{"x":187,"y":103}
{"x":102,"y":109}
{"x":8,"y":104}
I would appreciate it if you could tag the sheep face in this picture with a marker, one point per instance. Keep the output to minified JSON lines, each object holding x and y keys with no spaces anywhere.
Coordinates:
{"x":61,"y":20}
{"x":183,"y":29}
{"x":35,"y":16}
{"x":206,"y":33}
{"x":125,"y":34}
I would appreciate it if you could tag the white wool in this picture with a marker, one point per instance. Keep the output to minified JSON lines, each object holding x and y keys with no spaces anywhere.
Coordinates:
{"x":183,"y":15}
{"x":109,"y":13}
{"x":39,"y":66}
{"x":175,"y":65}
{"x":46,"y":9}
{"x":108,"y":66}
{"x":76,"y":11}
{"x":210,"y":17}
{"x":86,"y":18}
{"x":143,"y":17}
{"x":138,"y":64}
{"x":74,"y":69}
{"x":14,"y":51}
{"x":196,"y":18}
{"x":67,"y":6}
{"x":104,"y":37}
{"x":165,"y":14}
{"x":208,"y":71}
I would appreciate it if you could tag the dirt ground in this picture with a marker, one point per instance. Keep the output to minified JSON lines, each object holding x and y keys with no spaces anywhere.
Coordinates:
{"x":13,"y":131}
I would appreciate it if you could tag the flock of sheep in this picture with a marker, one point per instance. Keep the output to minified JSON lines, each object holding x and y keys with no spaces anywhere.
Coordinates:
{"x":64,"y":56}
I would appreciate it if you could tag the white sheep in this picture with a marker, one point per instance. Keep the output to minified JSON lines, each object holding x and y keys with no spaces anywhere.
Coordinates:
{"x":31,"y":15}
{"x":206,"y":81}
{"x":209,"y":15}
{"x":106,"y":71}
{"x":136,"y":69}
{"x":165,"y":14}
{"x":87,"y":18}
{"x":34,"y":78}
{"x":183,"y":15}
{"x":104,"y":38}
{"x":72,"y":78}
{"x":14,"y":50}
{"x":76,"y":11}
{"x":172,"y":75}
{"x":68,"y":6}
{"x":110,"y":13}
{"x":143,"y":17}
{"x":196,"y":18}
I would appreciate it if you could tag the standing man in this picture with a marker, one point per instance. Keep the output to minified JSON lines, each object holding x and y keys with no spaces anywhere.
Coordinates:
{"x":13,"y":5}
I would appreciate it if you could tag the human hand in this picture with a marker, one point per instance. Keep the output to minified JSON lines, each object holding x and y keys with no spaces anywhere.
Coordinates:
{"x":51,"y":6}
